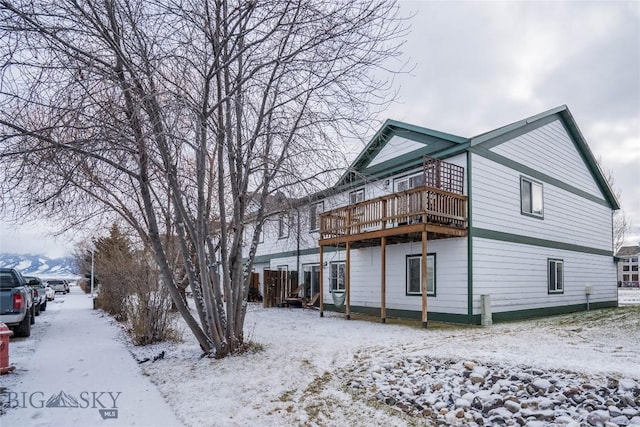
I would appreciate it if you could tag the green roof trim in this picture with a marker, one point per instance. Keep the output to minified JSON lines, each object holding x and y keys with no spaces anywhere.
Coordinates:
{"x":444,"y":145}
{"x":434,"y":140}
{"x":562,"y":113}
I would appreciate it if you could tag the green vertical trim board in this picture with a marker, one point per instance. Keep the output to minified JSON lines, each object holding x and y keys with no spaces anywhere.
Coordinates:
{"x":470,"y":319}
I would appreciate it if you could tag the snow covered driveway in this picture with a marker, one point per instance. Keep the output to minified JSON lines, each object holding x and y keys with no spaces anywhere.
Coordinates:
{"x":75,"y":371}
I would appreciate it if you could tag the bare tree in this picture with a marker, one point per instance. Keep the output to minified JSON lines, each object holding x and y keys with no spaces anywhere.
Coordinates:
{"x":182,"y":118}
{"x":619,"y":219}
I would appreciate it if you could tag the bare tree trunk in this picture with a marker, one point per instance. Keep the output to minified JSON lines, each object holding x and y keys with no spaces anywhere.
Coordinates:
{"x":182,"y":121}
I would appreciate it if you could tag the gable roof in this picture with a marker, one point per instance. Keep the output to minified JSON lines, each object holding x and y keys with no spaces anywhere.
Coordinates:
{"x":562,"y":113}
{"x":442,"y":145}
{"x":627,"y":251}
{"x":430,"y":139}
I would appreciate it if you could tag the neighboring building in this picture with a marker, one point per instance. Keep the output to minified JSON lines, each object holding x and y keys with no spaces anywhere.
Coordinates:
{"x":517,"y":220}
{"x":627,"y":258}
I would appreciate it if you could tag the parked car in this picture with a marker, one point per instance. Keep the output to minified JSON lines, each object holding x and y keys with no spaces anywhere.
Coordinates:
{"x":40,"y":293}
{"x":66,"y":285}
{"x":17,"y":310}
{"x":51,"y":294}
{"x":58,"y":285}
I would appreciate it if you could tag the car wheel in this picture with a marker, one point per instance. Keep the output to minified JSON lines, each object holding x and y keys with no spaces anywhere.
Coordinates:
{"x":33,"y":315}
{"x":43,"y":306}
{"x":36,"y":309}
{"x":24,"y":328}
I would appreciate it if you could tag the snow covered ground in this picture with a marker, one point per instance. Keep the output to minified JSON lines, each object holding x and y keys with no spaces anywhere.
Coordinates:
{"x":74,"y":371}
{"x":314,"y":371}
{"x":306,"y":373}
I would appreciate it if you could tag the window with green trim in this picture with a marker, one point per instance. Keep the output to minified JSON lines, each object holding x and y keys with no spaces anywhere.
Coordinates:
{"x":414,"y":274}
{"x":531,"y":197}
{"x":556,"y":276}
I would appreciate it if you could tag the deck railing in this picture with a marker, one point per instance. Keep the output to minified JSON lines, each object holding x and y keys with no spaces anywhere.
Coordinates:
{"x":417,"y":205}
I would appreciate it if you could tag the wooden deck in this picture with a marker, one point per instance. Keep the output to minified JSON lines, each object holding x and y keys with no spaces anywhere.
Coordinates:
{"x":435,"y":210}
{"x":399,"y":217}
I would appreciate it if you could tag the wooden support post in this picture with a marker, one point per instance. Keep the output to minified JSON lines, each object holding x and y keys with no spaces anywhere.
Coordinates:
{"x":321,"y":282}
{"x":424,"y":279}
{"x":383,"y":279}
{"x":347,"y":282}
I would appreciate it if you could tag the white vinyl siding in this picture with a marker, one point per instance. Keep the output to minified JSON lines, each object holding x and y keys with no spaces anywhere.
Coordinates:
{"x":496,"y":206}
{"x":395,"y":147}
{"x":516,"y":276}
{"x":450,"y":276}
{"x":553,"y":153}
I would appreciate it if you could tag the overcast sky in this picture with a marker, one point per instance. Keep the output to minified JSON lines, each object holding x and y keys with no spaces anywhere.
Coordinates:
{"x":482,"y":65}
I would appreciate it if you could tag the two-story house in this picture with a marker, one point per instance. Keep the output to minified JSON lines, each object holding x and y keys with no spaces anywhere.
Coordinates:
{"x":512,"y":223}
{"x":628,"y":266}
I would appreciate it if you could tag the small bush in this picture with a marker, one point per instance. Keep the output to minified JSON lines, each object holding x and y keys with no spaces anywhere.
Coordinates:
{"x":85,"y":285}
{"x":149,"y":313}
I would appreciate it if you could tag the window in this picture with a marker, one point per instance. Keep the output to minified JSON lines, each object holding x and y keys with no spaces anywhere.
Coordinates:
{"x":634,"y":259}
{"x":556,"y":279}
{"x":634,"y":268}
{"x":625,"y":268}
{"x":414,"y":274}
{"x":283,"y":226}
{"x":625,"y":277}
{"x":356,"y":196}
{"x":531,"y":197}
{"x":337,"y":276}
{"x":409,"y":182}
{"x":634,"y":277}
{"x":314,"y":216}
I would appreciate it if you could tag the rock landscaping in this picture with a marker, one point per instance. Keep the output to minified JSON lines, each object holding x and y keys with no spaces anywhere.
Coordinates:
{"x":471,"y":394}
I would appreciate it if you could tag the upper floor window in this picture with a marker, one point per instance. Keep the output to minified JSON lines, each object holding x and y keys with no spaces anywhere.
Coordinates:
{"x":314,"y":215}
{"x":409,"y":182}
{"x":556,"y":276}
{"x":356,"y":196}
{"x":414,"y":274}
{"x":283,"y":226}
{"x":531,"y":197}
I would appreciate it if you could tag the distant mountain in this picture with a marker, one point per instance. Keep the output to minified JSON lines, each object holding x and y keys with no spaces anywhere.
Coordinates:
{"x":39,"y":265}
